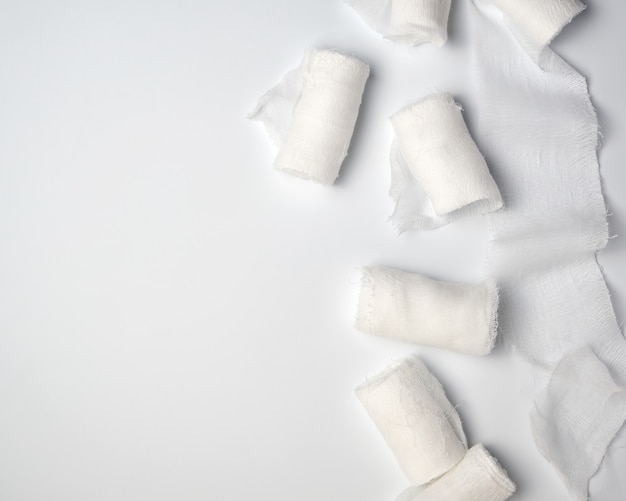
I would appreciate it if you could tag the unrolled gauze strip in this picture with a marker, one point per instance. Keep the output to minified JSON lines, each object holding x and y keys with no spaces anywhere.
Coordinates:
{"x":589,"y":407}
{"x":411,"y":307}
{"x":541,"y":132}
{"x":312,"y":112}
{"x":409,"y":22}
{"x":437,"y":172}
{"x":420,"y":425}
{"x":537,"y":22}
{"x":477,"y":477}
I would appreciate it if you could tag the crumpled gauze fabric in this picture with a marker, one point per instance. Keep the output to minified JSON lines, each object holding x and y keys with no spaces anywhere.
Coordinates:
{"x":477,"y":477}
{"x":540,"y":134}
{"x":409,"y":22}
{"x":310,"y":115}
{"x":421,"y":427}
{"x":411,"y":307}
{"x":437,"y":172}
{"x":585,"y":400}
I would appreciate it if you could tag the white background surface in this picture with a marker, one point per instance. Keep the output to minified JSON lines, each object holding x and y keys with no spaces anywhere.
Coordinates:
{"x":175,"y":315}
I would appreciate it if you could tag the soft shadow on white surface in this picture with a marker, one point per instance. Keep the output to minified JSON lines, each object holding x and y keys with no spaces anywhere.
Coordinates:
{"x":176,"y":316}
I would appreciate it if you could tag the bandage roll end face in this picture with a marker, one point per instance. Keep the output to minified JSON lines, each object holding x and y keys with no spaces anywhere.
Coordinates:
{"x":421,"y":427}
{"x":436,"y":145}
{"x":411,"y":307}
{"x":324,"y":116}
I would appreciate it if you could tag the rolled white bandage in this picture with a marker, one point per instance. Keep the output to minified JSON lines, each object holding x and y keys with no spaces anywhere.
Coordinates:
{"x":437,"y":172}
{"x":312,"y":112}
{"x":409,"y":22}
{"x":411,"y":307}
{"x":420,"y":426}
{"x":538,"y":21}
{"x":477,"y":477}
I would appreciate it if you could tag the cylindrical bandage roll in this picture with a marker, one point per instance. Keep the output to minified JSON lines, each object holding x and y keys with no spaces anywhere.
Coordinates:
{"x":419,"y":424}
{"x":409,"y":22}
{"x":311,"y":114}
{"x":436,"y":147}
{"x":414,"y":308}
{"x":538,"y":20}
{"x":477,"y":477}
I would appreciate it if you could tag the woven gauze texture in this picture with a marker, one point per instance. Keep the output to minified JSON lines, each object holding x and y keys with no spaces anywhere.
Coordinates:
{"x":419,"y":424}
{"x":583,"y":398}
{"x":311,"y":114}
{"x":477,"y":477}
{"x":437,"y":172}
{"x":537,"y":22}
{"x":414,"y":308}
{"x":540,"y":134}
{"x":409,"y":22}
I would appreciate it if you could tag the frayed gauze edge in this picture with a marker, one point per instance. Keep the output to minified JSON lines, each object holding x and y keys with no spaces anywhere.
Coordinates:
{"x":411,"y":307}
{"x":311,"y":114}
{"x":585,"y":400}
{"x":438,"y":174}
{"x":556,"y":301}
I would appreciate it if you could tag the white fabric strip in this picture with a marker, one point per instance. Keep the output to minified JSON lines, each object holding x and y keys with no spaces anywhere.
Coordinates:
{"x":437,"y":172}
{"x":589,"y":407}
{"x":421,"y":427}
{"x":312,"y":112}
{"x":539,"y":130}
{"x":477,"y":477}
{"x":414,"y":308}
{"x":410,"y":22}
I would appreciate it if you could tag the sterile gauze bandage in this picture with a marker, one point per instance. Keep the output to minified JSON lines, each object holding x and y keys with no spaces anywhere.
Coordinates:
{"x":312,"y":112}
{"x":414,"y":308}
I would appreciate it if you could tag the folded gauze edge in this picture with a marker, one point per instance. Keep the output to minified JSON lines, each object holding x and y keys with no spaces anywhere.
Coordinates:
{"x":423,"y":430}
{"x":410,"y":22}
{"x":437,"y":172}
{"x":311,"y":114}
{"x":414,"y":308}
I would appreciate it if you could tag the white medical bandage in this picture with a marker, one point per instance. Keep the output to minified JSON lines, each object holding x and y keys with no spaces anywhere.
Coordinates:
{"x":410,"y":22}
{"x":589,"y":407}
{"x":540,"y":131}
{"x":437,"y":172}
{"x":414,"y":308}
{"x":477,"y":477}
{"x":420,"y":426}
{"x":538,"y":21}
{"x":312,"y":112}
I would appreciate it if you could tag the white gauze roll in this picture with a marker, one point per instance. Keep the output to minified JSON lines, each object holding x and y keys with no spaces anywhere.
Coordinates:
{"x":437,"y":172}
{"x":589,"y":408}
{"x":537,"y":22}
{"x":312,"y":112}
{"x":410,"y":22}
{"x":414,"y":308}
{"x":477,"y":477}
{"x":419,"y":424}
